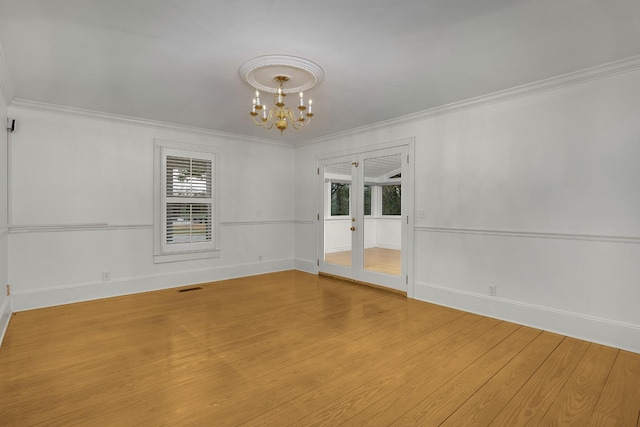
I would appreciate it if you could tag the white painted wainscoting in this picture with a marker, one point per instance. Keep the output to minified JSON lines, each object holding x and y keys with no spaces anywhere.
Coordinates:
{"x":5,"y":316}
{"x":305,"y":237}
{"x":75,"y":274}
{"x":383,"y":232}
{"x":89,"y":208}
{"x":544,"y":280}
{"x":6,"y":95}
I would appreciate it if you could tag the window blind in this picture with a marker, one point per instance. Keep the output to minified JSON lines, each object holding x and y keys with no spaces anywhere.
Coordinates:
{"x":189,"y":200}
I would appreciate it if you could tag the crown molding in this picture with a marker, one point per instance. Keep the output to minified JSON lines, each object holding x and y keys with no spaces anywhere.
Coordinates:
{"x":6,"y":87}
{"x":553,"y":83}
{"x":23,"y":104}
{"x":593,"y":73}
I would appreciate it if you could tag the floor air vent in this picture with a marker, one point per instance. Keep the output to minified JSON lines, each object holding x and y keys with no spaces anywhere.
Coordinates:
{"x":190,"y":289}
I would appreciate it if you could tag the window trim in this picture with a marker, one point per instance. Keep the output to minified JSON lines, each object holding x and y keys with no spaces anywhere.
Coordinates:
{"x":197,"y":250}
{"x":372,"y":202}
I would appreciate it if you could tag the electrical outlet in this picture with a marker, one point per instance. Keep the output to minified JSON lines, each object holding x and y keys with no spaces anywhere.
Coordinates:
{"x":493,"y":290}
{"x":8,"y":289}
{"x":422,"y":214}
{"x":106,"y":276}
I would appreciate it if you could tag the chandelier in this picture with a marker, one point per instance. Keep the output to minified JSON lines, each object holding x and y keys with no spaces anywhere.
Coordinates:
{"x":281,"y":115}
{"x":270,"y":74}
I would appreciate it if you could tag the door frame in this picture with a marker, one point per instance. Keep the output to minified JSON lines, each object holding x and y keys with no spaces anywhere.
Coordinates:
{"x":408,"y":199}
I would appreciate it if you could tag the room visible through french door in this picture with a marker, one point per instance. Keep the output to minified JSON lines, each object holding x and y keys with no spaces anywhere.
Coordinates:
{"x":364,"y":217}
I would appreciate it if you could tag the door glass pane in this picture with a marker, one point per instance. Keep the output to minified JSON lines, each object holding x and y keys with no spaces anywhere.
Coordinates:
{"x":382,"y":228}
{"x":340,"y":198}
{"x":337,"y":214}
{"x":391,"y":199}
{"x":367,"y":200}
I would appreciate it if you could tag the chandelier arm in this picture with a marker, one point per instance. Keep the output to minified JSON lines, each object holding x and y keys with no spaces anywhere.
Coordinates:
{"x":298,"y":124}
{"x":302,"y":121}
{"x":269,"y":122}
{"x":292,"y":117}
{"x":257,"y":121}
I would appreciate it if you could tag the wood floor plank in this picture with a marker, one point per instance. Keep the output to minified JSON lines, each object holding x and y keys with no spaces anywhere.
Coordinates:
{"x":347,"y":364}
{"x":382,"y":260}
{"x":577,"y":400}
{"x":375,"y":355}
{"x":436,"y":407}
{"x":219,"y":367}
{"x":291,"y":348}
{"x":532,"y":401}
{"x":483,"y":406}
{"x":619,"y":403}
{"x":399,"y":389}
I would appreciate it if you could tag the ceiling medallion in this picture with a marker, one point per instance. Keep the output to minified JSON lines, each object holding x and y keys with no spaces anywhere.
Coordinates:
{"x":281,"y":75}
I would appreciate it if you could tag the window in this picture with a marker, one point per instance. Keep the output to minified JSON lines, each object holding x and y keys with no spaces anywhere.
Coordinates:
{"x":367,"y":200}
{"x":391,"y":200}
{"x":187,"y":202}
{"x":340,"y":198}
{"x":185,"y":221}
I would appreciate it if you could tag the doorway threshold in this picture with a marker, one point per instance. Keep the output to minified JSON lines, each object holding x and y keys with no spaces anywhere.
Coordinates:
{"x":358,"y":282}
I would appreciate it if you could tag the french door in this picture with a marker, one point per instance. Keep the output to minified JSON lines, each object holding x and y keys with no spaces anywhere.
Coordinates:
{"x":364,"y":217}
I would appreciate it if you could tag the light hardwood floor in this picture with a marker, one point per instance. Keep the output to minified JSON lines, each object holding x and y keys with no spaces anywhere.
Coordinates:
{"x":296,"y":349}
{"x":381,"y":260}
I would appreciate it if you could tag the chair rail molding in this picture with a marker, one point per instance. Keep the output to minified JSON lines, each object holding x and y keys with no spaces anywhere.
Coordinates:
{"x":533,"y":234}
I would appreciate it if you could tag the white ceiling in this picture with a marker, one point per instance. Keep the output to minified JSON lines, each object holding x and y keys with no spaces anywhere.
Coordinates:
{"x":177,"y":60}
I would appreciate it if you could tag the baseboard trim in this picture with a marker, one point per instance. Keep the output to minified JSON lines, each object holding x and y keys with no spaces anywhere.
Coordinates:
{"x":59,"y":295}
{"x":590,"y":328}
{"x":5,"y":316}
{"x":306,"y":265}
{"x":383,"y":246}
{"x":338,"y":249}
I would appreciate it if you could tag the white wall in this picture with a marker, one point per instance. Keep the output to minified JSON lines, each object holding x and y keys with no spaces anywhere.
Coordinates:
{"x":537,"y":195}
{"x":378,"y":233}
{"x":69,"y":170}
{"x":5,"y":303}
{"x":388,"y":232}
